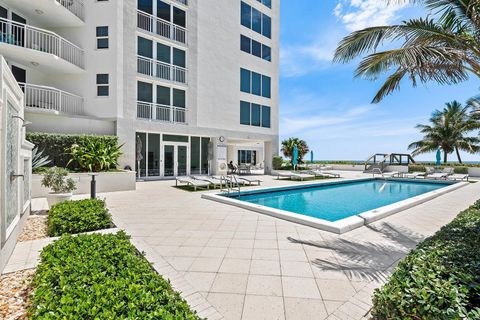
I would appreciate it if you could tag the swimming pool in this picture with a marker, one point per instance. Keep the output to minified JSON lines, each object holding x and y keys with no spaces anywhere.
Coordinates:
{"x":341,"y":205}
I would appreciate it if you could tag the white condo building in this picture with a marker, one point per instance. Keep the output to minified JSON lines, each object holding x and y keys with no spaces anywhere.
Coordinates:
{"x":186,"y":85}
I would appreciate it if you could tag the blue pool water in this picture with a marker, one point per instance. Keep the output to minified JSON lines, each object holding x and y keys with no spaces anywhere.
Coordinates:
{"x":339,"y":201}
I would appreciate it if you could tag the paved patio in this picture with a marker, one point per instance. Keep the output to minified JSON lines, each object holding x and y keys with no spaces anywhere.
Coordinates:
{"x":230,"y":263}
{"x":252,"y":266}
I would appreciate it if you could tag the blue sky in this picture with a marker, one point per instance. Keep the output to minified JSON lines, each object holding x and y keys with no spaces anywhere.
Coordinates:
{"x":323,"y":104}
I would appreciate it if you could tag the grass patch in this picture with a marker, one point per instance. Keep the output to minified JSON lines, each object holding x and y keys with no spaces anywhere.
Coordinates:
{"x":101,"y":277}
{"x":440,"y":279}
{"x":78,"y":216}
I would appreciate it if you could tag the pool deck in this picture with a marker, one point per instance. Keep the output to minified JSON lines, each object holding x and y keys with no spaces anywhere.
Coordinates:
{"x":232,"y":263}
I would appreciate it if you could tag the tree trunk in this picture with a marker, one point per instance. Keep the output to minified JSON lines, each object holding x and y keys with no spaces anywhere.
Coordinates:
{"x":458,"y":155}
{"x":445,"y":157}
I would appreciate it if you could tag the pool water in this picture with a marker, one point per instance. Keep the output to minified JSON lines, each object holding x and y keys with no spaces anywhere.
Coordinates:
{"x":339,"y":201}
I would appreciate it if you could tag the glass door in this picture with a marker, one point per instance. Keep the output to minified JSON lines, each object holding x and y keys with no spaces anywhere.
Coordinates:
{"x":175,"y":160}
{"x":182,"y":161}
{"x":169,"y":160}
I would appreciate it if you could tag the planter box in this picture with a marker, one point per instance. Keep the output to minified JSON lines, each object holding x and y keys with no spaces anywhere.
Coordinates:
{"x":106,"y":182}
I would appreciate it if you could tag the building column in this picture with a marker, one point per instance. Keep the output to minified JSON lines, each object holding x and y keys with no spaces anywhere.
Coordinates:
{"x":219,"y":159}
{"x":270,"y":150}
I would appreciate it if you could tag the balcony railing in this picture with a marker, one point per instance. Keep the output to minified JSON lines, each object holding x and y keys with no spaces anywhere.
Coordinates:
{"x":158,"y":112}
{"x":76,"y":7}
{"x":161,"y":70}
{"x":161,"y":27}
{"x":22,"y":35}
{"x":51,"y":99}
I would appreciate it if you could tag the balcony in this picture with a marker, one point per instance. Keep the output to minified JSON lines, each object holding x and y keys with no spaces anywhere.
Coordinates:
{"x":48,"y":99}
{"x":157,"y":112}
{"x":52,"y":13}
{"x":40,"y":48}
{"x":161,"y":27}
{"x":161,"y":70}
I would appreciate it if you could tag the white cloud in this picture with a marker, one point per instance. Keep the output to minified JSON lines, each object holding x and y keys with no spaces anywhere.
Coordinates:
{"x":359,"y":14}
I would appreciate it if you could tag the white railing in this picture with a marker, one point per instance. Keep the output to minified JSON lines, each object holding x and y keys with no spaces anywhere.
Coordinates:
{"x":53,"y":99}
{"x":161,"y":70}
{"x":74,"y":6}
{"x":158,"y":112}
{"x":22,"y":35}
{"x":161,"y":27}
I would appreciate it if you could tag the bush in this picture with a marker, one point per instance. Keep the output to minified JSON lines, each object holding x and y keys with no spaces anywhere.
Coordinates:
{"x":94,"y":155}
{"x":101,"y":277}
{"x":55,"y":146}
{"x":57,"y":180}
{"x":461,"y":170}
{"x":78,"y":216}
{"x":277,"y":162}
{"x":438,"y":280}
{"x":416,"y":168}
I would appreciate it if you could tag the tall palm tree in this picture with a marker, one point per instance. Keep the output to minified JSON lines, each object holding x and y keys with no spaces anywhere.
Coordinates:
{"x":448,"y":131}
{"x":444,"y":48}
{"x":289,"y":144}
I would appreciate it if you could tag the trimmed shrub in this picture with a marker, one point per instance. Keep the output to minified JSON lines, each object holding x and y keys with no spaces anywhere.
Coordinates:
{"x":56,"y":146}
{"x":78,"y":216}
{"x":101,"y":277}
{"x":416,"y":168}
{"x":440,"y":279}
{"x":277,"y":162}
{"x":461,"y":170}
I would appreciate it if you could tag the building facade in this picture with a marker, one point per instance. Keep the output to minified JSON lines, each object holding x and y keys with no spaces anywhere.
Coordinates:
{"x":187,"y":86}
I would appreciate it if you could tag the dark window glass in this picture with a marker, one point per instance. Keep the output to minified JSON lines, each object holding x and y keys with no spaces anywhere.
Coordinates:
{"x":195,"y":155}
{"x":179,"y":17}
{"x":267,"y":26}
{"x":179,"y":98}
{"x":204,"y":162}
{"x":102,"y":31}
{"x":17,"y":18}
{"x":145,"y":47}
{"x":245,"y":44}
{"x":102,"y":43}
{"x":265,"y":117}
{"x":245,"y":80}
{"x":103,"y":91}
{"x":179,"y":58}
{"x":256,"y":48}
{"x":266,"y":87}
{"x":102,"y":78}
{"x":256,"y":83}
{"x":175,"y":138}
{"x":163,"y":10}
{"x":255,"y":115}
{"x":266,"y":53}
{"x":244,"y":113}
{"x":3,"y":12}
{"x":163,"y":53}
{"x":246,"y":12}
{"x":163,"y":95}
{"x":256,"y":20}
{"x":268,"y":3}
{"x":145,"y":5}
{"x":19,"y":74}
{"x":144,"y":92}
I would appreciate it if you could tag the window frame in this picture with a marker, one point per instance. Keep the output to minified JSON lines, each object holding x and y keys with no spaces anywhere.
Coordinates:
{"x":102,"y":85}
{"x":100,"y":38}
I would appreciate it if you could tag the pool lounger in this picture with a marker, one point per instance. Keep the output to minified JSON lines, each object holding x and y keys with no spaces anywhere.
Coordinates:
{"x":192,"y":182}
{"x":437,"y":176}
{"x":295,"y":176}
{"x":456,"y":177}
{"x":320,"y":173}
{"x":392,"y":174}
{"x":212,"y":180}
{"x":414,"y":175}
{"x":250,"y":181}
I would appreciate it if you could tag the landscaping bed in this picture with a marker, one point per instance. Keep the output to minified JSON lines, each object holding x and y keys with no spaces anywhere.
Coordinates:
{"x":101,"y":277}
{"x":35,"y":228}
{"x":15,"y":294}
{"x":440,"y":279}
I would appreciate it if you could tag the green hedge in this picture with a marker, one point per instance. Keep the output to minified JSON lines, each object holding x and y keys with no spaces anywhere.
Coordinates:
{"x":78,"y":216}
{"x":438,"y":280}
{"x":101,"y":277}
{"x":55,"y":145}
{"x":422,"y":168}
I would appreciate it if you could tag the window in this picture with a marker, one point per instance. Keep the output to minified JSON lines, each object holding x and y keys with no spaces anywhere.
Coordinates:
{"x":247,"y":157}
{"x":266,"y":53}
{"x":267,"y":3}
{"x":145,"y":6}
{"x":256,"y":115}
{"x":256,"y":20}
{"x":267,"y":26}
{"x":179,"y":98}
{"x":163,"y":10}
{"x":244,"y":113}
{"x":245,"y":80}
{"x":103,"y":85}
{"x":266,"y":87}
{"x":265,"y":117}
{"x":102,"y":37}
{"x":179,"y":58}
{"x":144,"y":91}
{"x":245,"y":44}
{"x":145,"y":47}
{"x":179,"y":17}
{"x":163,"y":95}
{"x":256,"y":83}
{"x":163,"y":53}
{"x":256,"y":48}
{"x":246,"y":12}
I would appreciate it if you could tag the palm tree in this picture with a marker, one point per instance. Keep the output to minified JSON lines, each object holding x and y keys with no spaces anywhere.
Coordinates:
{"x":289,"y":144}
{"x":444,"y":48}
{"x":448,"y":131}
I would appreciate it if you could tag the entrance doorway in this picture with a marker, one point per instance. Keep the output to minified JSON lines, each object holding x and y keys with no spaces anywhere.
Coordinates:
{"x":175,"y":159}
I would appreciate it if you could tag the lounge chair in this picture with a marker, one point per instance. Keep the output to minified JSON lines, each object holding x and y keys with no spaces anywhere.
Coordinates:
{"x":192,"y":182}
{"x":458,"y":177}
{"x":414,"y":175}
{"x":295,"y":175}
{"x":250,"y":181}
{"x":323,"y":174}
{"x":212,"y":180}
{"x":437,"y":176}
{"x":392,"y":174}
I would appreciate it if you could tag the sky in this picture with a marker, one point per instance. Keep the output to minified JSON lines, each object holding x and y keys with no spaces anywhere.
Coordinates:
{"x":322,"y":103}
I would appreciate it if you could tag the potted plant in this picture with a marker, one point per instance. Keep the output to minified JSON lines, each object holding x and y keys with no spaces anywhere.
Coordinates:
{"x":57,"y":180}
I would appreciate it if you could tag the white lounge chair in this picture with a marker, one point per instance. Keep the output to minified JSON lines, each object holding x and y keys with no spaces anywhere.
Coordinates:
{"x":392,"y":174}
{"x":192,"y":182}
{"x":458,"y":177}
{"x":323,"y":174}
{"x":248,"y":180}
{"x":437,"y":176}
{"x":414,"y":175}
{"x":212,"y":180}
{"x":295,"y":175}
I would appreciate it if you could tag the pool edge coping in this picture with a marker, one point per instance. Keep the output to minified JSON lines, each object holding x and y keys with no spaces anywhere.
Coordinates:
{"x":343,"y":225}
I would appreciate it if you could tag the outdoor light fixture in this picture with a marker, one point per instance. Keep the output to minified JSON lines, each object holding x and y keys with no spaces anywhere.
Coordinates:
{"x":25,"y":123}
{"x":38,"y":11}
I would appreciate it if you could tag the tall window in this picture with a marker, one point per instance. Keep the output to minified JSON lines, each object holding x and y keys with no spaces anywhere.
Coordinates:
{"x":145,"y":47}
{"x":102,"y":37}
{"x":255,"y":20}
{"x":144,"y":92}
{"x":252,"y":114}
{"x":255,"y":48}
{"x":255,"y":83}
{"x":103,"y":88}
